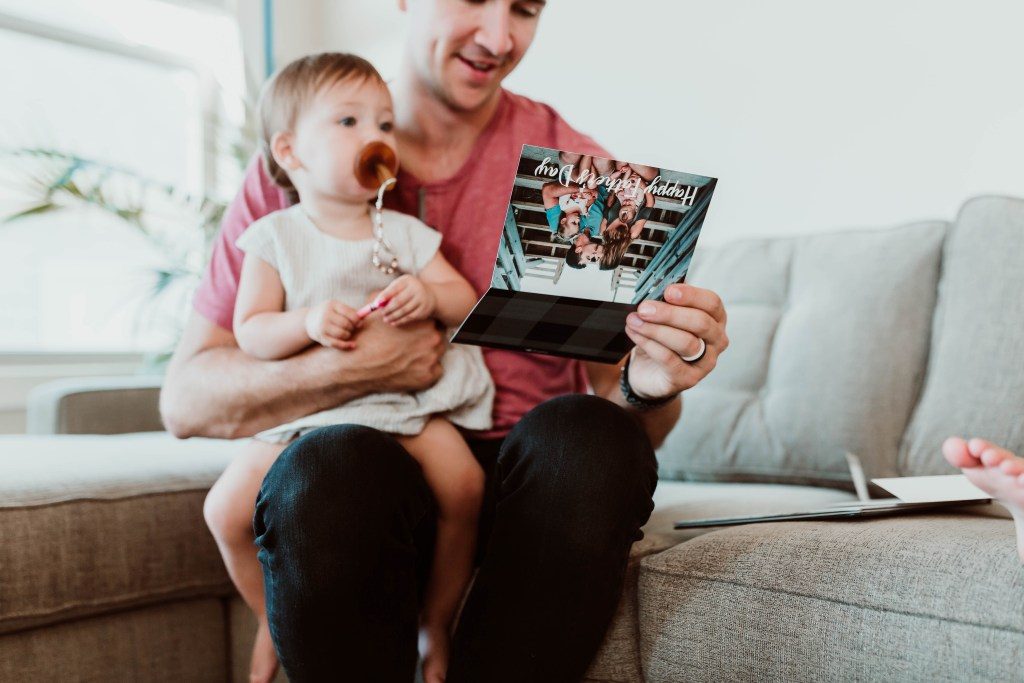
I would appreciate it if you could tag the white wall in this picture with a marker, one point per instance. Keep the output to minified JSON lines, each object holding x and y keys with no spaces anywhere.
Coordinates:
{"x":814,"y":115}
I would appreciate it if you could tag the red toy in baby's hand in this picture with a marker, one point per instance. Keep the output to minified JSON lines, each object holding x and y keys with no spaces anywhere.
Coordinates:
{"x":371,"y":307}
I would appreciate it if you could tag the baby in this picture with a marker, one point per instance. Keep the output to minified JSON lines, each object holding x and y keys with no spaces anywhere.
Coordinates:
{"x":994,"y":470}
{"x":312,"y":274}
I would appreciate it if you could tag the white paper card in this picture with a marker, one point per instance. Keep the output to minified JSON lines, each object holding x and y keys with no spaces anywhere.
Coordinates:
{"x":932,"y":489}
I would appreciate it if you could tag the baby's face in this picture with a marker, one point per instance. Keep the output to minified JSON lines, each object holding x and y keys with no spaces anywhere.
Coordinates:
{"x":333,"y":129}
{"x":570,"y":224}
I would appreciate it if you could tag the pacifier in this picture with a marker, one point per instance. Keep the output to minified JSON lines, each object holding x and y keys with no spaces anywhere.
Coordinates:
{"x":376,"y":166}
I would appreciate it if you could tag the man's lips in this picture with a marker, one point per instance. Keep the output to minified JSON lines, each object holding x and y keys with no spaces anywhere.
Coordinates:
{"x":480,"y":66}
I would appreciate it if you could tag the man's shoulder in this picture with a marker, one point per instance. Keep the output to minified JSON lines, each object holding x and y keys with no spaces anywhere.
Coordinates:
{"x":257,"y":197}
{"x":544,"y":121}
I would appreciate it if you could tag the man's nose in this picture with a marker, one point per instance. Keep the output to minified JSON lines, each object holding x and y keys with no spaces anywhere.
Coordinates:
{"x":495,"y":32}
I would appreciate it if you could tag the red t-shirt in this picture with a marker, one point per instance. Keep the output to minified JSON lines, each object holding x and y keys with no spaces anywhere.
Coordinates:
{"x":468,"y":209}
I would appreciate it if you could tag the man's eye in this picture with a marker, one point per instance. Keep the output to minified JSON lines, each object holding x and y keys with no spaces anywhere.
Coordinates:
{"x":527,"y":10}
{"x":348,"y":121}
{"x":387,"y":126}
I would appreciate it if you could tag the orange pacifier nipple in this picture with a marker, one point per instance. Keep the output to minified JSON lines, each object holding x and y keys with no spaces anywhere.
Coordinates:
{"x":376,"y":165}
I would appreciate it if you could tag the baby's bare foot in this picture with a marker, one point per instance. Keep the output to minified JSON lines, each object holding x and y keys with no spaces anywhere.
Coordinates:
{"x":263,"y":664}
{"x":994,"y":470}
{"x":433,"y":646}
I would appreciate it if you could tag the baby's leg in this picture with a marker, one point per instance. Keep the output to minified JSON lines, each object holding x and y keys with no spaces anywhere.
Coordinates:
{"x":604,"y":167}
{"x":457,"y":482}
{"x":995,"y":471}
{"x":648,"y":173}
{"x":567,"y":158}
{"x":228,"y":510}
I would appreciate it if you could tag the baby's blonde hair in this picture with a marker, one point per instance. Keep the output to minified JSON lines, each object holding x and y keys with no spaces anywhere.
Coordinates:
{"x":291,"y":89}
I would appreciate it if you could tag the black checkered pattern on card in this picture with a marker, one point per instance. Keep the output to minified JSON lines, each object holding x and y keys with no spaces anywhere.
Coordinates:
{"x":556,"y":325}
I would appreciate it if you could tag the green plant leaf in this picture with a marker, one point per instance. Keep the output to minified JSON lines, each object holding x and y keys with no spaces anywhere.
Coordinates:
{"x":45,"y":207}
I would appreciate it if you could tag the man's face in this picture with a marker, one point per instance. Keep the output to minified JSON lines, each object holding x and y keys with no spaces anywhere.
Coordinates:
{"x":590,"y":252}
{"x":463,"y":49}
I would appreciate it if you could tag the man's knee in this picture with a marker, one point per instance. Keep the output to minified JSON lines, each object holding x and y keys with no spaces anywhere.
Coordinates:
{"x":593,"y":432}
{"x":336,"y":467}
{"x":342,"y":506}
{"x":590,"y":471}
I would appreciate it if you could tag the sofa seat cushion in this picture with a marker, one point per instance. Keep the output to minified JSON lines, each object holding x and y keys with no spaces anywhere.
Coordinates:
{"x":619,"y":657}
{"x":931,"y":597}
{"x":683,"y":500}
{"x":172,"y":642}
{"x":97,"y":523}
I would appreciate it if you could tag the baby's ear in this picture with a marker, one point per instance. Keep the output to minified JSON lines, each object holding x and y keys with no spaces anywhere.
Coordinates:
{"x":281,"y":149}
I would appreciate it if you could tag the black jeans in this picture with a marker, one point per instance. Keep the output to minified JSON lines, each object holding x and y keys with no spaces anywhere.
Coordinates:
{"x":345,"y":527}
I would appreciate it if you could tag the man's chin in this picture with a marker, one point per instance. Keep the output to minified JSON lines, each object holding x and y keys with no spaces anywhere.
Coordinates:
{"x":468,"y":99}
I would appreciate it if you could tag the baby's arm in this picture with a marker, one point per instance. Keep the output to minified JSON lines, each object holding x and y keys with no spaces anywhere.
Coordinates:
{"x":550,"y":192}
{"x":638,"y":226}
{"x":438,"y":291}
{"x":264,"y":330}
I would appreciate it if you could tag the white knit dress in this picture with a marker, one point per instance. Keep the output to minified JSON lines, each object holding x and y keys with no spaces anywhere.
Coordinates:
{"x":315,"y":266}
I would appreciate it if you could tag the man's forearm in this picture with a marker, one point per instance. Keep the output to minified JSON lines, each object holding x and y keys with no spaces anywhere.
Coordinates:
{"x":214,"y":389}
{"x":221,"y":392}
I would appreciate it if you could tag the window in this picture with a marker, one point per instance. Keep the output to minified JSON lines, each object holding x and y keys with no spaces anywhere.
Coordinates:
{"x":144,"y":89}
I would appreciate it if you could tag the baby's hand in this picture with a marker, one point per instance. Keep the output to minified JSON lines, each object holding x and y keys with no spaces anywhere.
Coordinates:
{"x":408,"y":300}
{"x":332,"y":323}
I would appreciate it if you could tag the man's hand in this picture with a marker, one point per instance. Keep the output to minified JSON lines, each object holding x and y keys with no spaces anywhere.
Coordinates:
{"x":663,"y":331}
{"x":399,"y":359}
{"x":332,"y":323}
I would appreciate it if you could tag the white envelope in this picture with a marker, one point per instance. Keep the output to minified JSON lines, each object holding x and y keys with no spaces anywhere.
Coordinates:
{"x":932,"y":489}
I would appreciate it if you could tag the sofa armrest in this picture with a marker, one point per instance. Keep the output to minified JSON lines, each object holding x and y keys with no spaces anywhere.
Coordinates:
{"x":95,"y":405}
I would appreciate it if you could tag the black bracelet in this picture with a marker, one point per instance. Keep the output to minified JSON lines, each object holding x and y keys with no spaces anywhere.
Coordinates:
{"x":634,"y":400}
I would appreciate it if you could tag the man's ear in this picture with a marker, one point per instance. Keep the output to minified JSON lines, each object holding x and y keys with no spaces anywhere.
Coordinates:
{"x":281,"y":149}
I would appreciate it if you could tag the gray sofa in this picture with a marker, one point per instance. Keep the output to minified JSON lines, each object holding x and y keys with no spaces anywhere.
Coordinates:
{"x":880,"y":343}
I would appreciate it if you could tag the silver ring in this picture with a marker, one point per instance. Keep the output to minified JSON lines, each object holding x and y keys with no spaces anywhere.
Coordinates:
{"x":697,"y":356}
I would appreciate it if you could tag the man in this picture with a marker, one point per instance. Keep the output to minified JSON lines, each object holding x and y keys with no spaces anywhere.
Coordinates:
{"x":344,"y":519}
{"x":583,"y":250}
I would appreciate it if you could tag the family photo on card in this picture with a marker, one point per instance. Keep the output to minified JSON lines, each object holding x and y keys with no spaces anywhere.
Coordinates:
{"x":585,"y":240}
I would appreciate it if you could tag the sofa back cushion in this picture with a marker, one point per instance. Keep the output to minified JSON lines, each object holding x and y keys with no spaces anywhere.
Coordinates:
{"x":829,"y":341}
{"x":975,"y":380}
